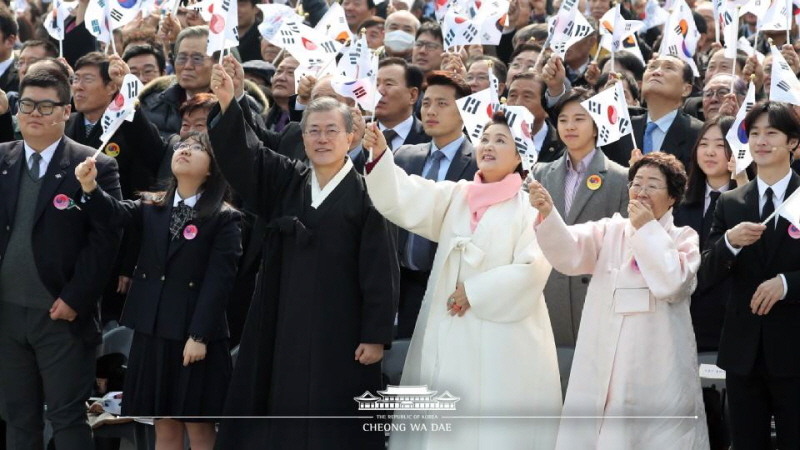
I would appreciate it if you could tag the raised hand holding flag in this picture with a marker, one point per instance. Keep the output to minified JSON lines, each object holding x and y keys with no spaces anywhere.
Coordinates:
{"x":223,"y":28}
{"x":610,"y":113}
{"x":737,"y":136}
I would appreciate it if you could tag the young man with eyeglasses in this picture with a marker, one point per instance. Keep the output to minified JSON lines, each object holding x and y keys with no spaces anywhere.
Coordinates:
{"x":324,"y":307}
{"x":146,"y":62}
{"x":53,"y":263}
{"x":428,"y":47}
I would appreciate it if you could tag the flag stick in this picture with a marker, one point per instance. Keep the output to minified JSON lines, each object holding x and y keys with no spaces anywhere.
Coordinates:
{"x":597,"y":53}
{"x":789,"y":15}
{"x":61,"y":47}
{"x":716,"y":24}
{"x":280,"y":53}
{"x":113,"y":43}
{"x":735,"y":45}
{"x":322,"y":69}
{"x":221,"y":55}
{"x":771,"y":216}
{"x":613,"y":69}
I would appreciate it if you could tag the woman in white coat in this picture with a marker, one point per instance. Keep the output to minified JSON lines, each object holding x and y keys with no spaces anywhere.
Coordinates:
{"x":634,"y":377}
{"x":483,"y":333}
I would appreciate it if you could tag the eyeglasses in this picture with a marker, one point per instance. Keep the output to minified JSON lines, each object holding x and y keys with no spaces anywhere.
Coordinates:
{"x":181,"y":146}
{"x":315,"y":133}
{"x":45,"y":107}
{"x":719,"y":93}
{"x":197,"y":60}
{"x":481,"y":78}
{"x":427,"y":45}
{"x":82,"y":79}
{"x":145,"y":72}
{"x":25,"y":62}
{"x":637,"y":188}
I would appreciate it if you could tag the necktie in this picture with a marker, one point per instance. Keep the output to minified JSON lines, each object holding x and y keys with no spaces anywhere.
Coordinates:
{"x":389,"y":134}
{"x":708,"y":217}
{"x":181,"y":214}
{"x":35,"y":160}
{"x":419,"y":249}
{"x":89,"y":128}
{"x":648,"y":137}
{"x":769,"y":208}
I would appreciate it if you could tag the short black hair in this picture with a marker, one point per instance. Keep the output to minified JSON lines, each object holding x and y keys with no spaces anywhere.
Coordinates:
{"x":780,"y":116}
{"x":95,"y":59}
{"x":670,"y":166}
{"x":372,"y":21}
{"x":576,"y":94}
{"x":532,"y":77}
{"x":524,"y":48}
{"x":8,"y":24}
{"x":49,"y":48}
{"x":414,"y":75}
{"x":633,"y":86}
{"x":252,"y":2}
{"x":47,"y":76}
{"x":146,"y":49}
{"x":443,"y":78}
{"x":627,"y":60}
{"x":431,"y":28}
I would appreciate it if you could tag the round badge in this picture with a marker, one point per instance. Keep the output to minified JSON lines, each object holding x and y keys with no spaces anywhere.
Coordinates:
{"x":112,"y":150}
{"x":594,"y":182}
{"x":794,"y":232}
{"x":634,"y":265}
{"x":190,"y":232}
{"x":61,"y":202}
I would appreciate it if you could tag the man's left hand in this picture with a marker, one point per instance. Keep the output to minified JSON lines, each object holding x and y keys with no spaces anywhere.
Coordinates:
{"x":62,"y":311}
{"x":765,"y":297}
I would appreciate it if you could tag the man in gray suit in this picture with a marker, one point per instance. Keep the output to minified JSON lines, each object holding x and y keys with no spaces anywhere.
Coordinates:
{"x":585,"y":186}
{"x":447,"y":157}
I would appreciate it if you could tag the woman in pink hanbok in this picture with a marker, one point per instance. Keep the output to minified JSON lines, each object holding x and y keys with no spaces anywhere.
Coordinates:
{"x":634,"y":380}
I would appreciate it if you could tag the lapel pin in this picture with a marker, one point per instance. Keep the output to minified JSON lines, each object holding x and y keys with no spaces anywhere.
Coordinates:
{"x":5,"y":172}
{"x":190,"y":232}
{"x":794,"y":233}
{"x":58,"y":175}
{"x":594,"y":182}
{"x":62,"y":202}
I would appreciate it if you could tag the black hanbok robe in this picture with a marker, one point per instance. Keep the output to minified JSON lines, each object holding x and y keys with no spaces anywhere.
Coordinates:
{"x":328,"y":281}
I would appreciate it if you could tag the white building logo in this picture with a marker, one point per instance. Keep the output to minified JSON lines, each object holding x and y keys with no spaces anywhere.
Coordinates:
{"x":407,"y":398}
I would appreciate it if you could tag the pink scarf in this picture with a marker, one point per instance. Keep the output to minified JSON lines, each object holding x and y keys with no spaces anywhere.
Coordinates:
{"x":480,"y":195}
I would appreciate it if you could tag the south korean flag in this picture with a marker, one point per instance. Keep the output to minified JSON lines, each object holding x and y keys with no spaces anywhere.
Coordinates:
{"x":520,"y":121}
{"x":476,"y":111}
{"x":737,"y":135}
{"x":459,"y":30}
{"x":121,"y":108}
{"x":784,"y":86}
{"x":610,"y":113}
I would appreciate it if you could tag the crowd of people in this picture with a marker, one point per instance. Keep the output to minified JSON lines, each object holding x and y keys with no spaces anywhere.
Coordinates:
{"x":244,"y":211}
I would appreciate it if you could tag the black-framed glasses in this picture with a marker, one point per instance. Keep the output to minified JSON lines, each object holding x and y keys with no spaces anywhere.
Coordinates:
{"x":192,"y":147}
{"x":45,"y":107}
{"x":197,"y":60}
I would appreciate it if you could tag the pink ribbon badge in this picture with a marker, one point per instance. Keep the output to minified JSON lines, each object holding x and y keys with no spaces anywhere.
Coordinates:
{"x":190,"y":232}
{"x":62,"y":202}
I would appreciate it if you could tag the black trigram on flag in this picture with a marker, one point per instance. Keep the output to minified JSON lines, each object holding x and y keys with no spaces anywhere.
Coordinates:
{"x":593,"y":107}
{"x":471,"y":105}
{"x":604,"y":133}
{"x":477,"y":131}
{"x":522,"y":146}
{"x":560,"y":47}
{"x":359,"y":92}
{"x":315,"y":62}
{"x":470,"y":32}
{"x":328,"y":47}
{"x":288,"y":37}
{"x":133,"y":89}
{"x":728,"y":18}
{"x":742,"y":153}
{"x":569,"y":27}
{"x":783,"y":85}
{"x":747,"y":106}
{"x":582,"y":31}
{"x":624,"y":124}
{"x":448,"y":39}
{"x":672,"y":50}
{"x":115,"y":14}
{"x":510,"y":119}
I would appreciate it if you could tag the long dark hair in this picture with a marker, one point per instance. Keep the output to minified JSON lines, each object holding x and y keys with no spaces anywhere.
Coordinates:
{"x":215,"y":189}
{"x":696,"y":186}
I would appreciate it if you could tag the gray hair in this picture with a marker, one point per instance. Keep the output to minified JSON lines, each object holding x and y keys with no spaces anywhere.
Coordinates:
{"x":401,"y":13}
{"x":325,"y":104}
{"x":739,"y":87}
{"x":197,"y":31}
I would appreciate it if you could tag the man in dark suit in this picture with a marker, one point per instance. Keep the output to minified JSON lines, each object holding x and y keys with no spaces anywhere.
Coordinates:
{"x":9,"y":77}
{"x":665,"y":127}
{"x":400,"y":84}
{"x":759,"y":251}
{"x":54,"y":261}
{"x":526,"y":89}
{"x":447,"y":157}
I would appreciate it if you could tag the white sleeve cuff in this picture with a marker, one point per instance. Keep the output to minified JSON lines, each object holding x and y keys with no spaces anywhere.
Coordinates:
{"x":733,"y":250}
{"x":785,"y":286}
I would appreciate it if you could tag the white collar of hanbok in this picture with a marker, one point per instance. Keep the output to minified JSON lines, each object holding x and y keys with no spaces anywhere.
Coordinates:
{"x":319,"y":195}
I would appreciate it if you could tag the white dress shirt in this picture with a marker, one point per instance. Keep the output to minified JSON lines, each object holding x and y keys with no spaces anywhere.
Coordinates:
{"x":5,"y":65}
{"x":402,"y":129}
{"x":47,"y":155}
{"x":539,"y":137}
{"x":190,"y":202}
{"x":709,"y":190}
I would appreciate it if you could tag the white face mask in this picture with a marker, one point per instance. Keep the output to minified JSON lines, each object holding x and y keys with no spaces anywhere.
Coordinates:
{"x":398,"y":41}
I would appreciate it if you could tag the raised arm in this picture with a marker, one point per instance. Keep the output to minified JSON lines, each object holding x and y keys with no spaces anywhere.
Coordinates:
{"x":409,"y":201}
{"x":99,"y":204}
{"x":256,"y":173}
